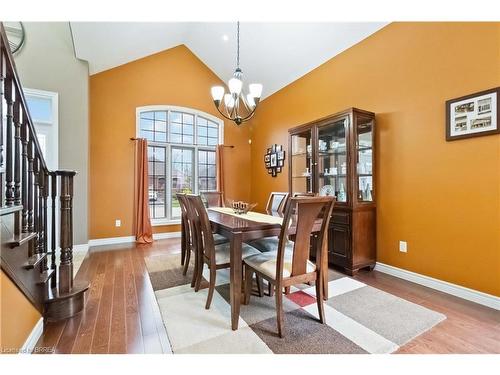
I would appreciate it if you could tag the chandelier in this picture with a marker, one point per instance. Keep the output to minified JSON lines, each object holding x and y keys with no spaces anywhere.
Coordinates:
{"x":236,"y":105}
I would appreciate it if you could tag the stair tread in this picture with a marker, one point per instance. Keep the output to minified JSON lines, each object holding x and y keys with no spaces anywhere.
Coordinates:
{"x":34,"y":260}
{"x":45,"y":276}
{"x":20,"y":239}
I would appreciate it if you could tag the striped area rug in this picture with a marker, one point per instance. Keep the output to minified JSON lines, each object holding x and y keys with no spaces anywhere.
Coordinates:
{"x":359,"y":318}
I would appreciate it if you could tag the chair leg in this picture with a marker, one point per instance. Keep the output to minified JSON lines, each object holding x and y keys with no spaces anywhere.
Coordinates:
{"x":279,"y":312}
{"x":270,"y":289}
{"x":183,"y":249}
{"x":186,"y":262}
{"x":195,"y":271}
{"x":260,"y":285}
{"x":248,"y":283}
{"x":199,"y":275}
{"x":211,"y":286}
{"x":319,"y":299}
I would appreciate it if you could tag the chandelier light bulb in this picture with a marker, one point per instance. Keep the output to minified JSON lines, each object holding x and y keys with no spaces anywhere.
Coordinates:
{"x":235,"y":85}
{"x":229,"y":100}
{"x":217,"y":93}
{"x":255,"y":90}
{"x":250,"y":101}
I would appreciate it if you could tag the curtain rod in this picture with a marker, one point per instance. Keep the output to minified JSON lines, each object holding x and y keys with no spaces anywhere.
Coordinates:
{"x":136,"y":139}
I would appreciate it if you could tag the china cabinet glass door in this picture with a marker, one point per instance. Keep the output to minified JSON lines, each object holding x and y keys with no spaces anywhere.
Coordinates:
{"x":364,"y":159}
{"x":302,"y":162}
{"x":332,"y":159}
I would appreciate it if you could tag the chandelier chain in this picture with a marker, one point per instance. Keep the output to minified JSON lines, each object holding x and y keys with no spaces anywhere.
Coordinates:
{"x":235,"y":106}
{"x":238,"y":46}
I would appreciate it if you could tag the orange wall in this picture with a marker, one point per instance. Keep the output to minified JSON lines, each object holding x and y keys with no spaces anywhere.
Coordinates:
{"x":442,"y":197}
{"x":172,"y":77}
{"x":18,"y":317}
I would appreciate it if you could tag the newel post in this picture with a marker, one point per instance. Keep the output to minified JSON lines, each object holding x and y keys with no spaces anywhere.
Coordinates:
{"x":66,"y":231}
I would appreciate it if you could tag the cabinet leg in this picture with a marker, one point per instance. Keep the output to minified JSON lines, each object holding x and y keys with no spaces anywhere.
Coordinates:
{"x":351,"y":272}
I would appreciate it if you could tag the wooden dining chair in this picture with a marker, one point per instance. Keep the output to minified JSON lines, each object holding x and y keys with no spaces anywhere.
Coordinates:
{"x":188,"y":241}
{"x":275,"y":207}
{"x":184,"y":228}
{"x":214,"y":256}
{"x":213,"y":198}
{"x":276,"y":203}
{"x":289,"y":263}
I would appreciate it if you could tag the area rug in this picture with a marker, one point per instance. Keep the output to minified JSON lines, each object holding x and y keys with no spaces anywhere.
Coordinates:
{"x":359,"y":318}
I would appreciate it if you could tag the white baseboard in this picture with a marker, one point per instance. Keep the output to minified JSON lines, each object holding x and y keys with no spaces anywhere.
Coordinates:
{"x":84,"y":247}
{"x":111,"y":240}
{"x":129,"y":239}
{"x":33,"y":338}
{"x":443,"y":286}
{"x":162,"y":236}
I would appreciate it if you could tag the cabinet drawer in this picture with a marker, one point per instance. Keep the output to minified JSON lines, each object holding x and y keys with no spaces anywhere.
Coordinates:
{"x":341,"y":217}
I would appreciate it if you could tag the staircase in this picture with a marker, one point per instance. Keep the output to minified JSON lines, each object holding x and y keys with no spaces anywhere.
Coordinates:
{"x":27,"y":187}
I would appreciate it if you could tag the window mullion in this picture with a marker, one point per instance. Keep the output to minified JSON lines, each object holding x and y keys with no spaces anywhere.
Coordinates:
{"x":168,"y":183}
{"x":195,"y":166}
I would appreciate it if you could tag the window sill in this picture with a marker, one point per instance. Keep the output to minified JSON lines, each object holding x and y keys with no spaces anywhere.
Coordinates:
{"x":161,"y":222}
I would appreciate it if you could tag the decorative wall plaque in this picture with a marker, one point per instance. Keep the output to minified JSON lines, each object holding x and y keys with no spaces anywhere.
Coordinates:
{"x":274,"y":159}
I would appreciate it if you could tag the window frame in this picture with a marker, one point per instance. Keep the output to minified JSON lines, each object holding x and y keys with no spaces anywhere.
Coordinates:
{"x":168,"y":220}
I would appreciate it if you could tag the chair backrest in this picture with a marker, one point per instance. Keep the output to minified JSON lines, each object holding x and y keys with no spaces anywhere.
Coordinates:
{"x":204,"y":237}
{"x":186,"y":225}
{"x":213,"y":198}
{"x":276,"y":203}
{"x":305,"y":215}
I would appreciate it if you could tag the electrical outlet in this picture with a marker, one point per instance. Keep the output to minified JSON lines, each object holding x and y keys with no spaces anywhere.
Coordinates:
{"x":403,"y":246}
{"x":118,"y":223}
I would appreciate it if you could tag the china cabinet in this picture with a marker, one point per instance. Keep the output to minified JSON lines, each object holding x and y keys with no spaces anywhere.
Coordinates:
{"x":335,"y":156}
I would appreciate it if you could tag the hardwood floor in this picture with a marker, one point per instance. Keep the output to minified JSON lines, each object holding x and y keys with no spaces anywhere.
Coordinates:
{"x":121,"y":314}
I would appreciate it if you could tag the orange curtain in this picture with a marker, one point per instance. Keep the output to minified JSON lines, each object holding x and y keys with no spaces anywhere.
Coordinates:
{"x":219,"y":155}
{"x":143,"y":229}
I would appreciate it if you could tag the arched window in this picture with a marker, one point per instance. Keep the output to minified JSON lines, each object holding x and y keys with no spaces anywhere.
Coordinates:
{"x":181,"y":155}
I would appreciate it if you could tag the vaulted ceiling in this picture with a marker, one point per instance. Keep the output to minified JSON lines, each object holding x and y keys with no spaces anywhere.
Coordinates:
{"x":274,"y":54}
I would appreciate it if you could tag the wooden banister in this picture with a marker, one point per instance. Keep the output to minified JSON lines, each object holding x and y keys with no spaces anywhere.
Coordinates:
{"x":28,"y":190}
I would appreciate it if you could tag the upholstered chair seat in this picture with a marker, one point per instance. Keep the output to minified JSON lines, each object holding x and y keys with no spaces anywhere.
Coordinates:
{"x":267,"y":244}
{"x":265,"y":263}
{"x":219,"y":239}
{"x":222,"y":252}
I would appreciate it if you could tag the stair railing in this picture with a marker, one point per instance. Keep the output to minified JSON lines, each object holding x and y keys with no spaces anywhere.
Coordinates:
{"x":26,"y":181}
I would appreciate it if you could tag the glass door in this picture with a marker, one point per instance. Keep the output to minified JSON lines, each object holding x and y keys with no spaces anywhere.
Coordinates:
{"x":301,"y":162}
{"x":332,"y":159}
{"x":364,"y":159}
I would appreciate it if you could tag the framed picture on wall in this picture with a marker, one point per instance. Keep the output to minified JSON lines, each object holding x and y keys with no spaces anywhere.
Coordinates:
{"x":274,"y":160}
{"x":473,"y":115}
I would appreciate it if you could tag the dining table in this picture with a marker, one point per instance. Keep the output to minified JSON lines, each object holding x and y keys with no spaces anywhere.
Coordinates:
{"x":240,"y":228}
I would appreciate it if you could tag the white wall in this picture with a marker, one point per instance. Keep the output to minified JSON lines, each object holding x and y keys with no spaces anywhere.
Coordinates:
{"x":47,"y":62}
